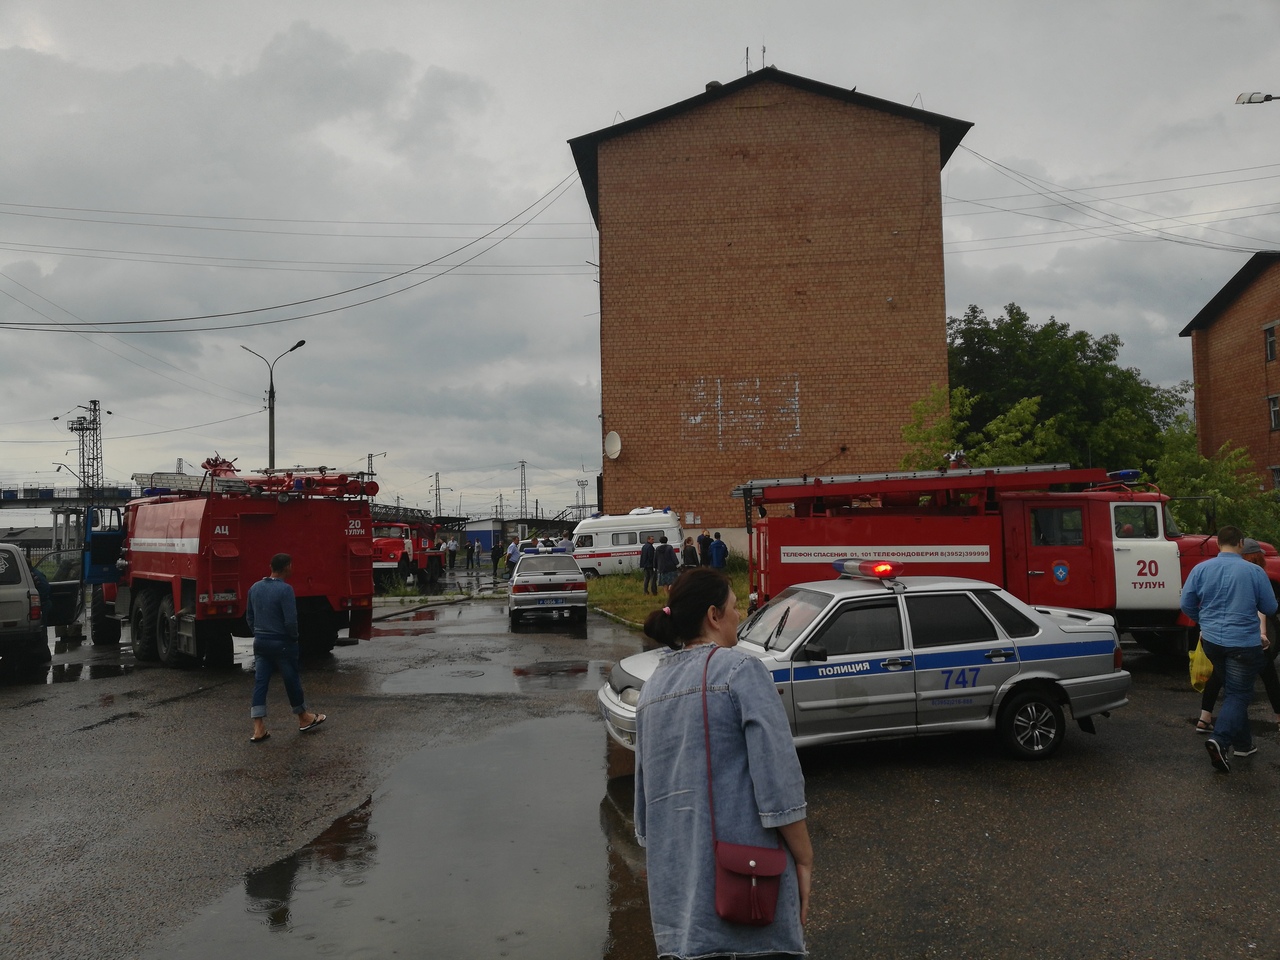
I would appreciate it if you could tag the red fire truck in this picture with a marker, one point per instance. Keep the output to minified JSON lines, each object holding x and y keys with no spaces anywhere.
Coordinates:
{"x":177,"y":564}
{"x":417,"y":540}
{"x":1048,"y":534}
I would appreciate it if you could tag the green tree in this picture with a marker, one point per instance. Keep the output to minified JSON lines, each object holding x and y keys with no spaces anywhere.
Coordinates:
{"x":1103,"y":414}
{"x":938,"y":420}
{"x":1227,"y":478}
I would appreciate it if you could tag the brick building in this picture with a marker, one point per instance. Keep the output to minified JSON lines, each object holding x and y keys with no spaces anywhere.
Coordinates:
{"x":771,"y":286}
{"x":1233,"y":359}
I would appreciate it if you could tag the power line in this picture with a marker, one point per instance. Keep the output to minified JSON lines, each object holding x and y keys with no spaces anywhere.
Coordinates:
{"x":562,"y":186}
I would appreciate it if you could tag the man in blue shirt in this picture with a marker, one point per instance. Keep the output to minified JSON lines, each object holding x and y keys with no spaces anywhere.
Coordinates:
{"x":718,"y":553}
{"x":1224,"y":596}
{"x":272,"y":614}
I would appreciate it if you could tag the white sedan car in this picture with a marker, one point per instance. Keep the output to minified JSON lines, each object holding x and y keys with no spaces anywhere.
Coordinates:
{"x":871,"y":655}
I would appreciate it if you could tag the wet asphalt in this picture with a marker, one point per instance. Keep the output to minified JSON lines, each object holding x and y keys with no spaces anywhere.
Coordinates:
{"x":459,"y":803}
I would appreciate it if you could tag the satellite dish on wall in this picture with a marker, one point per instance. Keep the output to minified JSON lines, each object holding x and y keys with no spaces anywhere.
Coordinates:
{"x":612,"y":445}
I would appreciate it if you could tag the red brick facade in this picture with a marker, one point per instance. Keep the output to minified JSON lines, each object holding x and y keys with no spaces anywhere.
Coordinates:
{"x":771,"y":291}
{"x":1236,"y":364}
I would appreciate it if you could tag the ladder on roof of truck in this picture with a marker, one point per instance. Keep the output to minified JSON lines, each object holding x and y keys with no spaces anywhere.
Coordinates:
{"x":754,"y":486}
{"x":185,"y":483}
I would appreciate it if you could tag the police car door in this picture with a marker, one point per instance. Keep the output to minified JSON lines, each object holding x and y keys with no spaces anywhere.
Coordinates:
{"x":961,"y":659}
{"x":1148,"y":573}
{"x":865,"y":685}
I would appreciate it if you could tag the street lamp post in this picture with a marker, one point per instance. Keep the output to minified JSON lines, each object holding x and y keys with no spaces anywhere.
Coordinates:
{"x":1254,"y":98}
{"x":271,"y":400}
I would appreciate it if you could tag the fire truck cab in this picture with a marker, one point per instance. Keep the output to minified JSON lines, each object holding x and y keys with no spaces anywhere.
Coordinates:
{"x":1050,"y":535}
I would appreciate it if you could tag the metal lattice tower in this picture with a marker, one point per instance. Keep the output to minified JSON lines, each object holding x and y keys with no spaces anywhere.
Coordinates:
{"x":524,"y":492}
{"x":89,"y":431}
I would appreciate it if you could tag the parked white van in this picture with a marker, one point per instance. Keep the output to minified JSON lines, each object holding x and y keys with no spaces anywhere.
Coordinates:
{"x":607,"y":543}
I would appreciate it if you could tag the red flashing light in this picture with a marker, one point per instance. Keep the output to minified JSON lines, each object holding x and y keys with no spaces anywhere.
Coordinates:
{"x":869,"y":569}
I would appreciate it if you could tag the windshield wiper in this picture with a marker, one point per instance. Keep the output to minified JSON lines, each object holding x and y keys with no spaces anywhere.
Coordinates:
{"x":782,"y":622}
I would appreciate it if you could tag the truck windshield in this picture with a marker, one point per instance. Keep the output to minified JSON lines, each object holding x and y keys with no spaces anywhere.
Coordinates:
{"x":381,"y":532}
{"x":783,"y":618}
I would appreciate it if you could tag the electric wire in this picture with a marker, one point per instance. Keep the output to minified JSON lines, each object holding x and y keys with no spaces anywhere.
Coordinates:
{"x":303,"y":316}
{"x":562,"y":186}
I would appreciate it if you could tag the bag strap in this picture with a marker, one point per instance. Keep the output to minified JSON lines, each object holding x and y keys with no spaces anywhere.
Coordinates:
{"x":706,"y":736}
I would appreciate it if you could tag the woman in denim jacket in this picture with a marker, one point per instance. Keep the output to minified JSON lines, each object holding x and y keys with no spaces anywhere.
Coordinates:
{"x":759,"y":788}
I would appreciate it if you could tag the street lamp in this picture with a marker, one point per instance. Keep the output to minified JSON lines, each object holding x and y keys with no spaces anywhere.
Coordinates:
{"x":1254,"y":98}
{"x":63,"y":466}
{"x":271,"y":400}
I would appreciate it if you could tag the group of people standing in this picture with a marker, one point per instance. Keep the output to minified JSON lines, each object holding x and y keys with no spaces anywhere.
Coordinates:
{"x":660,"y":562}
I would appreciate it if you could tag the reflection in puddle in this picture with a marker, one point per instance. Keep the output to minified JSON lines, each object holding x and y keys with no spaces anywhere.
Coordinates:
{"x":344,"y":852}
{"x":480,"y":850}
{"x":67,"y":672}
{"x":488,"y":677}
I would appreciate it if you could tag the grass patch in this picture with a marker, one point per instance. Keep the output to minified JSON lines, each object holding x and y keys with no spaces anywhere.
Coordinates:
{"x":623,"y":595}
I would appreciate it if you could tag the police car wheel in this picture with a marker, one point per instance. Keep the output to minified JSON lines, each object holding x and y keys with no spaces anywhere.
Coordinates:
{"x":1032,"y":724}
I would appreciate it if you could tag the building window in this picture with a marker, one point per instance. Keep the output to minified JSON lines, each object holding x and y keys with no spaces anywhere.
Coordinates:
{"x":1269,"y":342}
{"x":1275,"y":477}
{"x":1274,"y":404}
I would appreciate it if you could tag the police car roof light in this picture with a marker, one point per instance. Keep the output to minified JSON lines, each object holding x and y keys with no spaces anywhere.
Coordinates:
{"x":868,"y":569}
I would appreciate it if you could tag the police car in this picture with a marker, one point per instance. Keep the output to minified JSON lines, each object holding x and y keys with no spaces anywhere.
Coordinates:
{"x":547,"y":582}
{"x":873,"y":655}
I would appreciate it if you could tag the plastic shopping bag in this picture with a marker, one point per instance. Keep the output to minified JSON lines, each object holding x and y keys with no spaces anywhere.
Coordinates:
{"x":1201,"y":668}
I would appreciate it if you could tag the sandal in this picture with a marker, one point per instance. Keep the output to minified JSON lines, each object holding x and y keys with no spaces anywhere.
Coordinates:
{"x":1204,"y":726}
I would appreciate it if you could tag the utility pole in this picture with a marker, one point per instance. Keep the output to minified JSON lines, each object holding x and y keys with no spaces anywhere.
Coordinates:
{"x":89,"y":432}
{"x":524,"y":491}
{"x":437,"y":493}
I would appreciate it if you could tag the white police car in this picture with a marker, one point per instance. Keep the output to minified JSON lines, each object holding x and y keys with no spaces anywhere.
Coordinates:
{"x":874,"y":655}
{"x":547,"y":582}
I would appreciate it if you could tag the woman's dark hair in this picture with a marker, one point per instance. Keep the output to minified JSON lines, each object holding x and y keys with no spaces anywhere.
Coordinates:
{"x":694,"y":592}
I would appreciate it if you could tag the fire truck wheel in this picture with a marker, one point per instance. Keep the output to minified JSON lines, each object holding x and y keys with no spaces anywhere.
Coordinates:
{"x":167,"y":648}
{"x":142,"y":625}
{"x":104,"y":631}
{"x":1031,"y":724}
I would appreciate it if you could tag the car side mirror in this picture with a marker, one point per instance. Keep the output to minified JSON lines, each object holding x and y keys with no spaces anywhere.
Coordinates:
{"x":814,"y":653}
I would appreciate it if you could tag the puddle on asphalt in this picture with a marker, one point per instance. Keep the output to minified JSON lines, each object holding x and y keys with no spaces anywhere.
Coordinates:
{"x":70,"y":672}
{"x":483,"y":850}
{"x":505,"y":677}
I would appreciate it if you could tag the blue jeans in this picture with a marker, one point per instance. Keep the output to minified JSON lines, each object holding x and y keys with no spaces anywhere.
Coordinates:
{"x":1239,"y":669}
{"x":269,"y":655}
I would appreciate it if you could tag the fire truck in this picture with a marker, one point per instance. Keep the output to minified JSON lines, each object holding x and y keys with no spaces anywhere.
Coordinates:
{"x":416,"y":540}
{"x":1050,"y":535}
{"x":177,"y":563}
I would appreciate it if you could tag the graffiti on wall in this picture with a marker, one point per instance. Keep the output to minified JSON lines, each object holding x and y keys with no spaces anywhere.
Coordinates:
{"x":723,"y":412}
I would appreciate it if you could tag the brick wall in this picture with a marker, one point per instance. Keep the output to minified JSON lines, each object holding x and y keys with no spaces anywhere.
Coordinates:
{"x":772,"y":295}
{"x":1233,"y":378}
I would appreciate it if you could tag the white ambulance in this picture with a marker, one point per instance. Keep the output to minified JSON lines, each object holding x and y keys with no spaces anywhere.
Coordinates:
{"x":607,"y":543}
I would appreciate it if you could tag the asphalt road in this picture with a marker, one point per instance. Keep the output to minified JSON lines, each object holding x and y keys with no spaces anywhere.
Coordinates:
{"x":458,"y":804}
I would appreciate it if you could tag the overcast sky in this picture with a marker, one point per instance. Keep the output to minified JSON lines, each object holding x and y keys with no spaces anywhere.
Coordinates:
{"x":170,"y":160}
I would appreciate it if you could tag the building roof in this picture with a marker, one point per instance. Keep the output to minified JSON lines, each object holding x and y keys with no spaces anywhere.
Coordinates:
{"x":950,"y":130}
{"x":1237,"y":285}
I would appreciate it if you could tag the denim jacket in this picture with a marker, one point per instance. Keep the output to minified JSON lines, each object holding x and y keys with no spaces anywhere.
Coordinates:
{"x":758,"y":786}
{"x":271,"y":610}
